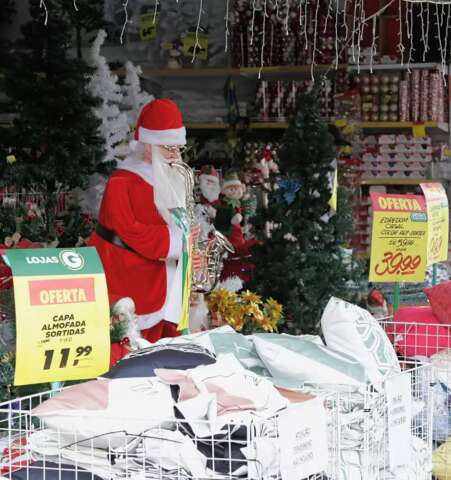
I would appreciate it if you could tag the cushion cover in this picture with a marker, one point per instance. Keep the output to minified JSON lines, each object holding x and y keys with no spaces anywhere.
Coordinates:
{"x":440,"y":299}
{"x":143,"y":363}
{"x":92,"y":410}
{"x":415,"y":331}
{"x":350,"y":329}
{"x":242,"y":347}
{"x":305,"y":361}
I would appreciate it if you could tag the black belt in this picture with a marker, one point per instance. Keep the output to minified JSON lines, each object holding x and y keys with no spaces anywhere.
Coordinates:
{"x":110,"y":236}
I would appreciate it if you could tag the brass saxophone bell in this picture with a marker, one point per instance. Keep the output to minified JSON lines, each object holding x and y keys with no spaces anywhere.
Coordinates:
{"x":213,"y":250}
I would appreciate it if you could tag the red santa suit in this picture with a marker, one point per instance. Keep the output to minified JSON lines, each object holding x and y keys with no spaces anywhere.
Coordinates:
{"x":139,"y":248}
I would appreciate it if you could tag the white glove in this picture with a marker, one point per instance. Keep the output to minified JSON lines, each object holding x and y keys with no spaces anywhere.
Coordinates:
{"x":211,"y":211}
{"x":236,"y":219}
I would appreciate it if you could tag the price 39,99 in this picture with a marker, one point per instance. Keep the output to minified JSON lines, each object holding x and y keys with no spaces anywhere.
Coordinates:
{"x":61,"y":359}
{"x":397,"y":263}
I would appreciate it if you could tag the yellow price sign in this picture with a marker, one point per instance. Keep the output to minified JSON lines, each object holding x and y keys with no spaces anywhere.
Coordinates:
{"x":419,"y":130}
{"x":333,"y":198}
{"x":148,"y":24}
{"x":341,"y":122}
{"x":346,"y":150}
{"x":62,"y":315}
{"x":438,"y":222}
{"x":348,"y":129}
{"x":399,"y":238}
{"x":199,"y":42}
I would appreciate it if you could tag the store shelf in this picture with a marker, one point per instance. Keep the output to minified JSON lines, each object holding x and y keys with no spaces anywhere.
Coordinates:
{"x":234,"y":72}
{"x":7,"y":121}
{"x":394,"y":181}
{"x":282,"y":125}
{"x":279,"y":69}
{"x":376,"y":125}
{"x":396,"y":66}
{"x":206,"y":125}
{"x":223,"y":126}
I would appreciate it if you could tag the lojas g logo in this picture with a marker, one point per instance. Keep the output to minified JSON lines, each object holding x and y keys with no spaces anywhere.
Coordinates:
{"x":72,"y":260}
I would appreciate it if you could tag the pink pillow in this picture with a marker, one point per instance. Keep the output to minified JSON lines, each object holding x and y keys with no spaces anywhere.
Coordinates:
{"x":415,"y":331}
{"x":92,"y":395}
{"x":440,"y":300}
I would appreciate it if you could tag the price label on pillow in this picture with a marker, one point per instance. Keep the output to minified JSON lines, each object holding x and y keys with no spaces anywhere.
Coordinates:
{"x":399,"y":238}
{"x":303,"y":440}
{"x":399,"y":409}
{"x":438,"y":222}
{"x":62,"y":315}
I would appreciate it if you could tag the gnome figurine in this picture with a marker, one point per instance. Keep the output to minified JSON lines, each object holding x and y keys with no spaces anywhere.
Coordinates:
{"x":229,"y":220}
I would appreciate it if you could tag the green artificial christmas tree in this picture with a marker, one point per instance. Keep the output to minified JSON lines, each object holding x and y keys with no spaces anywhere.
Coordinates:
{"x":302,"y":263}
{"x":52,"y":147}
{"x":7,"y":12}
{"x":53,"y":144}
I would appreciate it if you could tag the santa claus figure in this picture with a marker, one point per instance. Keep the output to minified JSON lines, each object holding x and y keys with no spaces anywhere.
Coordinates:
{"x":239,"y":265}
{"x":210,"y":189}
{"x":140,"y":236}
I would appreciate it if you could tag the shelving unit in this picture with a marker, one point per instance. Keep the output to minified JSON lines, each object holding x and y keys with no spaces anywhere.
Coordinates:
{"x":394,"y":181}
{"x":275,"y":70}
{"x":247,"y":74}
{"x":283,"y":125}
{"x":223,"y":126}
{"x":395,"y":66}
{"x":234,"y":72}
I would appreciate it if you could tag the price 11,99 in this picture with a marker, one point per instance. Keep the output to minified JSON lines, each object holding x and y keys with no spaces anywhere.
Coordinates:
{"x":50,"y":357}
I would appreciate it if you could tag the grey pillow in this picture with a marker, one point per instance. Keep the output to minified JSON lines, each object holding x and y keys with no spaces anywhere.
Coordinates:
{"x":243,"y":348}
{"x":142,"y":363}
{"x":294,"y":358}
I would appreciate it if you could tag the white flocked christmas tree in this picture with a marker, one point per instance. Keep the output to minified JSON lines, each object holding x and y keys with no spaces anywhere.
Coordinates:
{"x":134,"y":97}
{"x":104,"y":84}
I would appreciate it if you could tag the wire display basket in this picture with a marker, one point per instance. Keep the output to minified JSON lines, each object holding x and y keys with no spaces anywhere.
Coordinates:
{"x":356,"y":423}
{"x":429,"y":343}
{"x":172,"y":449}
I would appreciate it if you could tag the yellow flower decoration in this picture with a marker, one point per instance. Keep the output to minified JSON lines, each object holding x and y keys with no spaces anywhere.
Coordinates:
{"x":275,"y":309}
{"x":255,"y":311}
{"x":251,"y":297}
{"x":246,"y":310}
{"x":267,"y":325}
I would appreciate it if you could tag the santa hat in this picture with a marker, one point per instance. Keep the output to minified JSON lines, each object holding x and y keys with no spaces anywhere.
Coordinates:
{"x":231,"y":179}
{"x":160,"y":123}
{"x":209,"y":171}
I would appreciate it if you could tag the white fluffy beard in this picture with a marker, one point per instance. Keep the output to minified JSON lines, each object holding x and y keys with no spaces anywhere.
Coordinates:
{"x":198,"y":315}
{"x":209,"y":191}
{"x":168,"y":184}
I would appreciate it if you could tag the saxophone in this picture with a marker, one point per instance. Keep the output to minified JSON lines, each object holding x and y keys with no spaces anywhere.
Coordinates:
{"x":213,"y":249}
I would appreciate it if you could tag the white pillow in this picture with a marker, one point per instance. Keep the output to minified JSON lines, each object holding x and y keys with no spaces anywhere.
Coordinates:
{"x":305,"y":361}
{"x":352,"y":330}
{"x":103,"y":410}
{"x":200,"y":338}
{"x":442,"y":367}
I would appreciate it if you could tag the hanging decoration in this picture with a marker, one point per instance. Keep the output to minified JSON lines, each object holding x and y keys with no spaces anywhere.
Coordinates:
{"x":270,"y":32}
{"x":43,"y":5}
{"x":125,"y":4}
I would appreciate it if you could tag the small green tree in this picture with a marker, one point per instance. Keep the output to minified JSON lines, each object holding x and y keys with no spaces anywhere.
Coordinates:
{"x":53,"y":143}
{"x":302,"y":262}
